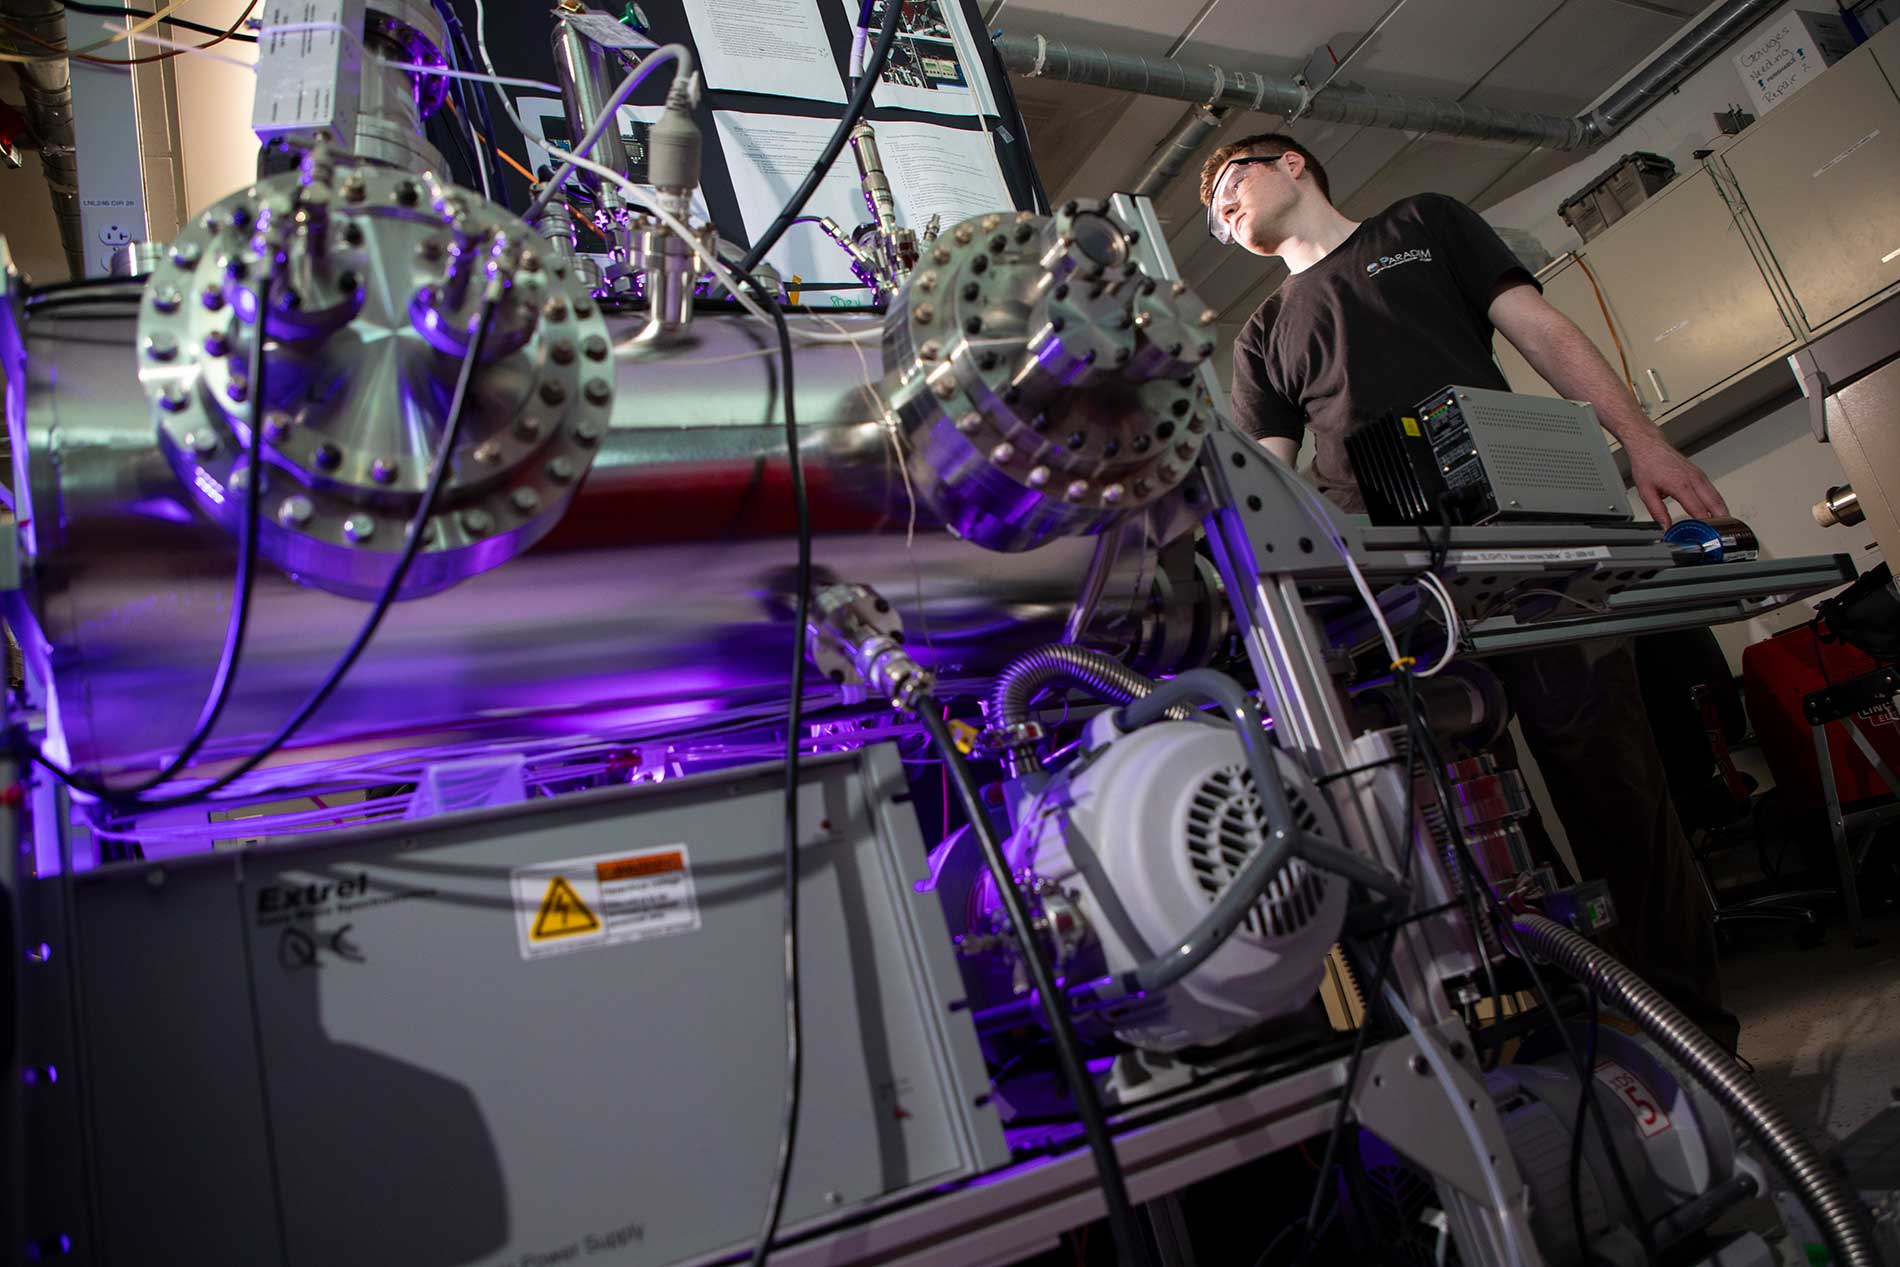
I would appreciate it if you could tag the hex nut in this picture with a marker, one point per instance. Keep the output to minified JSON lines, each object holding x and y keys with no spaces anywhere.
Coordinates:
{"x":296,"y":511}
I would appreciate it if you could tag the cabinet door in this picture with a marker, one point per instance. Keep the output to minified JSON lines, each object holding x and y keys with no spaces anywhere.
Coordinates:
{"x":1569,"y":292}
{"x":1822,"y":177}
{"x":1687,"y":294}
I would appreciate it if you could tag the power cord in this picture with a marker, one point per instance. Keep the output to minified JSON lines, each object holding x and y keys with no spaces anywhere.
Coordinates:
{"x":1585,"y":1094}
{"x":418,"y":528}
{"x":1312,"y":1230}
{"x":237,"y":623}
{"x":114,"y":11}
{"x":853,"y":111}
{"x":794,"y":1071}
{"x":1130,"y":1245}
{"x":474,"y":101}
{"x":1508,"y":931}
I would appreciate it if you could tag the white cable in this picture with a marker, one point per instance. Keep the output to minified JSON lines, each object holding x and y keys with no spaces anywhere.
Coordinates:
{"x":1456,"y":1098}
{"x":1430,"y":583}
{"x":1322,"y":517}
{"x":192,"y":49}
{"x":477,"y":76}
{"x":706,"y":257}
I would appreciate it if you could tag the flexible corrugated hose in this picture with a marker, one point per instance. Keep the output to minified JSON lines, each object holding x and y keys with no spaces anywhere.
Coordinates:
{"x":1104,"y":677}
{"x":1834,"y":1206}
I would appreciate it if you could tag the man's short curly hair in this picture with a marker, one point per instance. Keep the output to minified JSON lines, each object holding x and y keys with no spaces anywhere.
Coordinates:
{"x":1259,"y":143}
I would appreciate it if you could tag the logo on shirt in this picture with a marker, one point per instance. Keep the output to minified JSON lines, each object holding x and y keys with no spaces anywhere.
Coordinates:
{"x":1417,"y":255}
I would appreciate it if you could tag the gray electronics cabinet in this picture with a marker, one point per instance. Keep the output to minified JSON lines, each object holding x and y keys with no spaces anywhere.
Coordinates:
{"x":1540,"y":457}
{"x":549,"y":1033}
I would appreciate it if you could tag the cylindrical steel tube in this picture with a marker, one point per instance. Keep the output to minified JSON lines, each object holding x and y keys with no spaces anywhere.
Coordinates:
{"x":1836,"y":1207}
{"x":664,"y":594}
{"x":585,"y":72}
{"x":1178,"y":148}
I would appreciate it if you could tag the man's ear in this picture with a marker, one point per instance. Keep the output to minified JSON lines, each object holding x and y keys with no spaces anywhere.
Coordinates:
{"x":1295,"y":163}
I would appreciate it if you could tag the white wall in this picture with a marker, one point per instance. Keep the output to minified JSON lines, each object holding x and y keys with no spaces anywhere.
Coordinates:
{"x":1766,"y":464}
{"x":1675,"y":127}
{"x":214,"y":113}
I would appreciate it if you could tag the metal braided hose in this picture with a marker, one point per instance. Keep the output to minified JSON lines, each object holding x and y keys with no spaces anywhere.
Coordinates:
{"x":1835,"y":1208}
{"x":1104,"y":677}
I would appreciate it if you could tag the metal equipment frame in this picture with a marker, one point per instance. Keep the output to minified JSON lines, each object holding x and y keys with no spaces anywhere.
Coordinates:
{"x":1273,"y":568}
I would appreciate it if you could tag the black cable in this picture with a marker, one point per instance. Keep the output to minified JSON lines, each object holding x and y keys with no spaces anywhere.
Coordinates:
{"x":81,"y":283}
{"x":1585,"y":1094}
{"x":113,"y":11}
{"x":1130,"y":1245}
{"x":1313,"y":1229}
{"x":788,"y":1134}
{"x":104,"y":306}
{"x":1351,"y":770}
{"x":473,"y":98}
{"x":853,"y":111}
{"x":237,"y":624}
{"x":1508,"y":931}
{"x":412,"y":546}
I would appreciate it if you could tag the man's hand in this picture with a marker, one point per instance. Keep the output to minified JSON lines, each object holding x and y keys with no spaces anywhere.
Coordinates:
{"x":1659,"y":471}
{"x":1569,"y":362}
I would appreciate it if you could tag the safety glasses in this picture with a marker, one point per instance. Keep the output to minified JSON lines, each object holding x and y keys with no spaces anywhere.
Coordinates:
{"x":1227,"y":190}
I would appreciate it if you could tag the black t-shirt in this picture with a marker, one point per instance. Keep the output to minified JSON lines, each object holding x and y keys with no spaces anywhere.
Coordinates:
{"x":1395,"y":312}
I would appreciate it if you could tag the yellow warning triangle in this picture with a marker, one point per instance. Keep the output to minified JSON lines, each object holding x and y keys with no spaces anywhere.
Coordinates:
{"x":562,"y":913}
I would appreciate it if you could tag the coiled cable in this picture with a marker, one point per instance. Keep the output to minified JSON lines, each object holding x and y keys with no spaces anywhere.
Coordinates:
{"x":1104,"y":677}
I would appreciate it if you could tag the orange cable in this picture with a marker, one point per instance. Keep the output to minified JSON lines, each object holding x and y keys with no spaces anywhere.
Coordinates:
{"x":526,"y":175}
{"x":1608,"y":324}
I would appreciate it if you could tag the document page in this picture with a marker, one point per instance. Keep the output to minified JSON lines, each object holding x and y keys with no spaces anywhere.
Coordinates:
{"x":769,"y":46}
{"x":933,"y":64}
{"x":933,"y":171}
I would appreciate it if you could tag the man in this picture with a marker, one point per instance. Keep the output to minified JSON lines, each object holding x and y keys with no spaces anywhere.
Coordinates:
{"x":1376,"y":316}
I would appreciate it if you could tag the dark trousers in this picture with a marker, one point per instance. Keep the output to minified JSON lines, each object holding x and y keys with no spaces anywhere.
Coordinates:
{"x":1581,"y":710}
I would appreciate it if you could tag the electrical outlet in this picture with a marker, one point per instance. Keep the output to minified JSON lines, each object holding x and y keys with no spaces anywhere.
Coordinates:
{"x":115,"y":235}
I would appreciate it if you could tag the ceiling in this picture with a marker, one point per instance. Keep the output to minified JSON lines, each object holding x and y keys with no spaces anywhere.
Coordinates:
{"x":1555,"y":56}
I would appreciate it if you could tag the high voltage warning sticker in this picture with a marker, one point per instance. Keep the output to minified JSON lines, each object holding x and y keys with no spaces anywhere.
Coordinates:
{"x":587,"y":903}
{"x":562,"y":913}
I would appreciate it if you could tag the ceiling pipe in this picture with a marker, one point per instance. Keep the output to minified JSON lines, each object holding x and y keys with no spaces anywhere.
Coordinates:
{"x":1216,"y":86}
{"x":1178,"y":150}
{"x":48,"y":89}
{"x":1666,"y":71}
{"x":1213,"y":86}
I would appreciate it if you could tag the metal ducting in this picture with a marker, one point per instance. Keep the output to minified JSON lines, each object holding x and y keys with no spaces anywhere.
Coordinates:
{"x":1218,"y":86}
{"x":1214,"y":86}
{"x":48,"y":89}
{"x":1675,"y":64}
{"x":1178,"y":150}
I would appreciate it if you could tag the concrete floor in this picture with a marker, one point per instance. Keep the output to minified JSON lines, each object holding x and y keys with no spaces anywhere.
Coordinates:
{"x":1821,"y":1026}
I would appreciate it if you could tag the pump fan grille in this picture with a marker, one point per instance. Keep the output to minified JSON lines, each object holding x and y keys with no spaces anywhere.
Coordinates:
{"x":1225,"y":826}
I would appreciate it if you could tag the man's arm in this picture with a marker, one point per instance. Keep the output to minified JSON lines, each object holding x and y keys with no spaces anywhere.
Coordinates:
{"x":1283,"y":447}
{"x":1569,"y":362}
